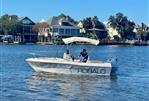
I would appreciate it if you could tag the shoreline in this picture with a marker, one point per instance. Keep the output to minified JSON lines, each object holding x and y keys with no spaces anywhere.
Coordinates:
{"x":102,"y":43}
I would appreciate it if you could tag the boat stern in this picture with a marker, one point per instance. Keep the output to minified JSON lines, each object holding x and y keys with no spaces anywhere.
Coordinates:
{"x":114,"y":63}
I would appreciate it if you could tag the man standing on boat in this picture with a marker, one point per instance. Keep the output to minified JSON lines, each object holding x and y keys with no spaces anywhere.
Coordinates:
{"x":83,"y":55}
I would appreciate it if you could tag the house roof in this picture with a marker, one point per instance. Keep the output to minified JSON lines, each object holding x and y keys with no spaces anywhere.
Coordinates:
{"x":57,"y":21}
{"x":53,"y":21}
{"x":22,"y":18}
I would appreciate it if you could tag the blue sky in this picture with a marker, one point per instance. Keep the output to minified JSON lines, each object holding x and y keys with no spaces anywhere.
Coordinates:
{"x":135,"y":10}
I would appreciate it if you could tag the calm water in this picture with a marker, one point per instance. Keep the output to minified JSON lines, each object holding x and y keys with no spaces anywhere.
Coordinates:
{"x":19,"y":82}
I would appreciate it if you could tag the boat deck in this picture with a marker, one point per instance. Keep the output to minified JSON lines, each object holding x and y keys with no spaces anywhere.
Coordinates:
{"x":70,"y":62}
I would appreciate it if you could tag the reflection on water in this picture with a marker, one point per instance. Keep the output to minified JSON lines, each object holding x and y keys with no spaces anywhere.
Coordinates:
{"x":70,"y":87}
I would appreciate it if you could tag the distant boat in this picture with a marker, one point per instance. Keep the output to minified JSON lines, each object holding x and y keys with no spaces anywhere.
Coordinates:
{"x":67,"y":65}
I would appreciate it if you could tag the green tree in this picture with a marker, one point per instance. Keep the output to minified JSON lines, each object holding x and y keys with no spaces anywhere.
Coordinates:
{"x":143,"y":31}
{"x":124,"y":26}
{"x":87,"y":23}
{"x":97,"y":24}
{"x":67,"y":17}
{"x":90,"y":23}
{"x":8,"y":24}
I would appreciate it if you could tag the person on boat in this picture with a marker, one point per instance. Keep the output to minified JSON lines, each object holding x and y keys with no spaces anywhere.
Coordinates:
{"x":83,"y":55}
{"x":66,"y":55}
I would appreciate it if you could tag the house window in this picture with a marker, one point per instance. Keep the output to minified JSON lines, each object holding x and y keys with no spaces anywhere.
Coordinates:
{"x":67,"y":31}
{"x":66,"y":24}
{"x":26,"y":21}
{"x":61,"y":31}
{"x":78,"y":31}
{"x":55,"y":30}
{"x":73,"y":31}
{"x":26,"y":29}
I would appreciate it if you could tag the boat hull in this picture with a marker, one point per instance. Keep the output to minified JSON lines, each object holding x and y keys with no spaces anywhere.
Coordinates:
{"x":74,"y":68}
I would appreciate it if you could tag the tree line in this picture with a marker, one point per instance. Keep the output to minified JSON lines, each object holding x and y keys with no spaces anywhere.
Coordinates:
{"x":125,"y":27}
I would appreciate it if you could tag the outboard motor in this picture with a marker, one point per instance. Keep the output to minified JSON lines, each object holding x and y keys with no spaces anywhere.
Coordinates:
{"x":114,"y":63}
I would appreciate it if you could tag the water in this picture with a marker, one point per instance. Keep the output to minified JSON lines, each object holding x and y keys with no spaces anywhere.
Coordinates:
{"x":19,"y":82}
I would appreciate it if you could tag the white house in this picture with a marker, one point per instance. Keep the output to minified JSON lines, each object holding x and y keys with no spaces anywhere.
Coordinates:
{"x":61,"y":27}
{"x":111,"y":31}
{"x":80,"y":25}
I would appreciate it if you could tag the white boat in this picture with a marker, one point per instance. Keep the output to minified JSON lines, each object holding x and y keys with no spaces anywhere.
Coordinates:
{"x":69,"y":66}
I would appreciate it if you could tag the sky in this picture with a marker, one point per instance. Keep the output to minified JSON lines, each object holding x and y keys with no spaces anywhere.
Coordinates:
{"x":135,"y":10}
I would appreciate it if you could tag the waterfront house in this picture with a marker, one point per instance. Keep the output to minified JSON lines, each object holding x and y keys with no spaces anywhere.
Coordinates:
{"x":42,"y":28}
{"x":80,"y":25}
{"x":25,"y":34}
{"x":112,"y":33}
{"x":61,"y":27}
{"x":97,"y":30}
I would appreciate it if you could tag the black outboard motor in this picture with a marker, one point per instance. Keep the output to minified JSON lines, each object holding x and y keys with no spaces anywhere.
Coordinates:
{"x":114,"y":63}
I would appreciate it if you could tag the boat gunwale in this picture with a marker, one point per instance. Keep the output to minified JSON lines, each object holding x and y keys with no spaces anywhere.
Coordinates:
{"x":92,"y":63}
